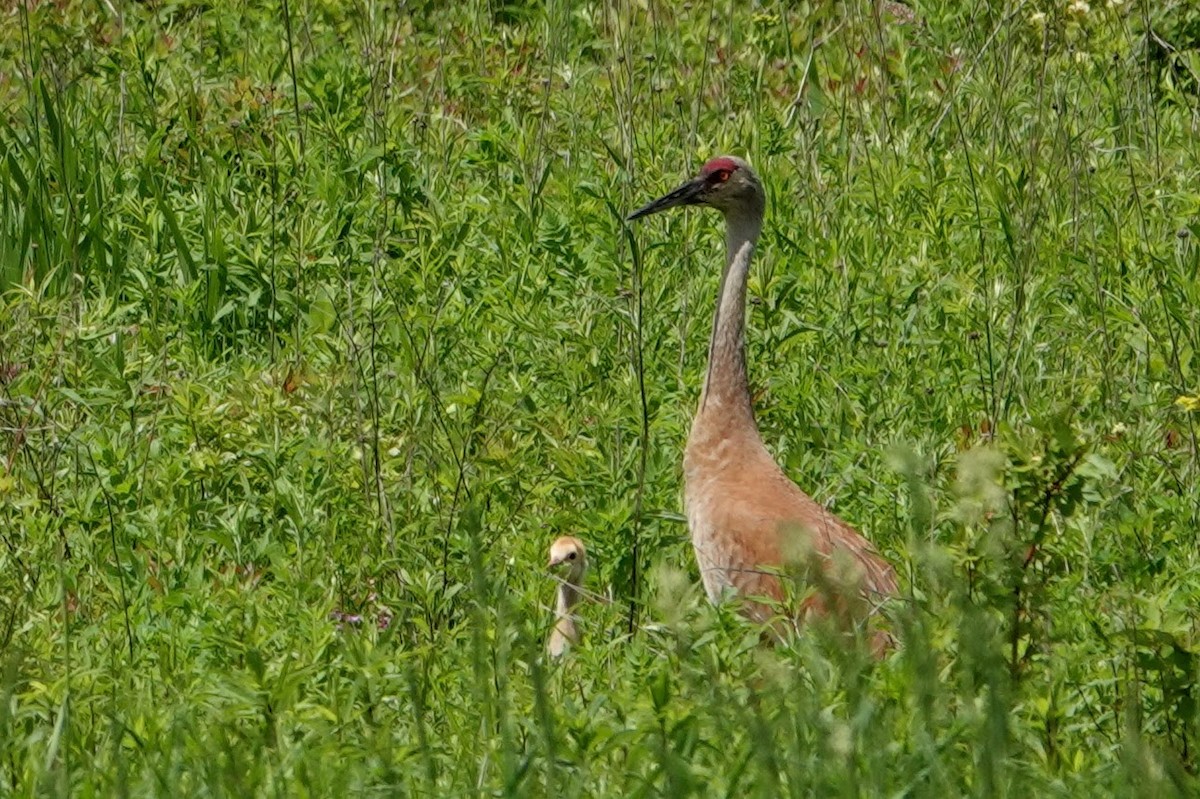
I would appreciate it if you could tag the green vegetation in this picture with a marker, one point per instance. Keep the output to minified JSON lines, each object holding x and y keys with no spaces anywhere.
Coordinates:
{"x":319,"y":321}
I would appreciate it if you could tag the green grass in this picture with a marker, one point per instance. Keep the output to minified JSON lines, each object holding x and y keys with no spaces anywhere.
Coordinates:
{"x":320,"y":308}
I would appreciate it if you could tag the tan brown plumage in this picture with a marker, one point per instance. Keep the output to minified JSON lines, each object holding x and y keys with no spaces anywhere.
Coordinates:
{"x":566,"y":551}
{"x":749,"y":523}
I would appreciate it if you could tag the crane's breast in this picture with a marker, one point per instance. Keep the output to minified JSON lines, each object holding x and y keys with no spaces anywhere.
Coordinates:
{"x":736,"y":542}
{"x":712,"y":556}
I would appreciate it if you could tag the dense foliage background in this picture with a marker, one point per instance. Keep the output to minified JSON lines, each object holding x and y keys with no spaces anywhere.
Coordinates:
{"x":319,"y":321}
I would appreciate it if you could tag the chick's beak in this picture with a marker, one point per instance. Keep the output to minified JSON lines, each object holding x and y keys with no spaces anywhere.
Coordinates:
{"x":689,"y":193}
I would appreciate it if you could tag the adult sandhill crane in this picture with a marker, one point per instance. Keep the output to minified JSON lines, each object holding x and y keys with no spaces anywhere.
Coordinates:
{"x":748,"y":521}
{"x":568,"y":551}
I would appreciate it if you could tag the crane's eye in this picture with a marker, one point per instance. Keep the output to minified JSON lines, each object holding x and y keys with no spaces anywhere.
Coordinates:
{"x":721,"y":175}
{"x":571,"y":556}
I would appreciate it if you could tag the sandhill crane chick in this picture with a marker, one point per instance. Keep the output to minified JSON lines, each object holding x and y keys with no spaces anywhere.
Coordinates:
{"x":745,"y":516}
{"x":569,"y":558}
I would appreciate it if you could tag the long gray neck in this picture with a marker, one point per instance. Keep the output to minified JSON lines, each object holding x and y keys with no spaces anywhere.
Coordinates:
{"x":726,"y":389}
{"x":564,"y":622}
{"x":568,"y":595}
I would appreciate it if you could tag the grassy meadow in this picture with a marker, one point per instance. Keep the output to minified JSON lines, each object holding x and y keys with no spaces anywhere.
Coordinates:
{"x":320,"y":320}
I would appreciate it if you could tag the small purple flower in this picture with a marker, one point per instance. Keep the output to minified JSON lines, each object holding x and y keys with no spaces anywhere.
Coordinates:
{"x":345,"y":618}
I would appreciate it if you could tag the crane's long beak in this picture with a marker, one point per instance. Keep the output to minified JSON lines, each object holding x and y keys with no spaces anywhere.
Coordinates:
{"x":688,"y":194}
